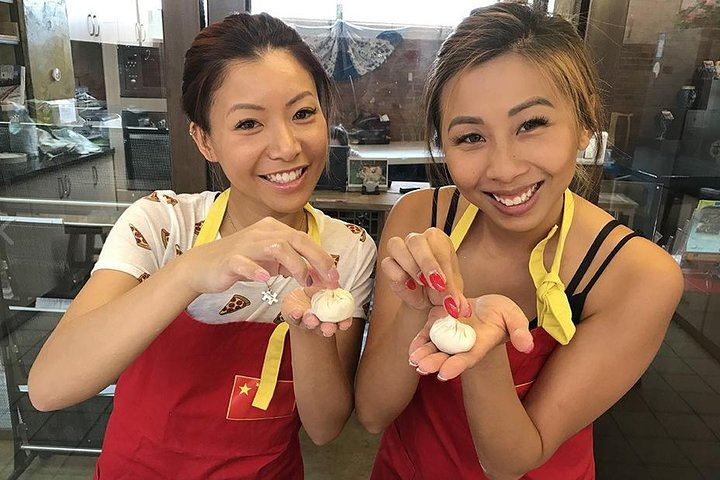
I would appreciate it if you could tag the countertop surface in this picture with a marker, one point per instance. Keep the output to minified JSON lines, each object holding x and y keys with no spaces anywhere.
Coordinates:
{"x":104,"y":214}
{"x":16,"y":172}
{"x":336,"y":200}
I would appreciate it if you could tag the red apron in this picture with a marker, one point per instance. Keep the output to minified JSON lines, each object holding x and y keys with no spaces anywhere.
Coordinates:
{"x":183,"y":409}
{"x":431,"y":439}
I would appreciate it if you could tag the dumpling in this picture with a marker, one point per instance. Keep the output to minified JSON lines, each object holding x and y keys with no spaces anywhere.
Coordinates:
{"x":451,"y":336}
{"x":332,"y":305}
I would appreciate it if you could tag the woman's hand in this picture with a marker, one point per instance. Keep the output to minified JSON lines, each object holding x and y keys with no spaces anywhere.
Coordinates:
{"x":495,"y":319}
{"x":423,"y":271}
{"x":256,"y":253}
{"x":295,"y":310}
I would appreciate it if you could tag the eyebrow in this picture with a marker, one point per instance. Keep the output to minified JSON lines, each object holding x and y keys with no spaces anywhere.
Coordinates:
{"x":530,"y":103}
{"x":465,"y":119}
{"x":470,"y":120}
{"x":253,"y":106}
{"x":298,"y":97}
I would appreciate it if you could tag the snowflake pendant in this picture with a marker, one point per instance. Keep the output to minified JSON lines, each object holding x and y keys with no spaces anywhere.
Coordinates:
{"x":269,"y":297}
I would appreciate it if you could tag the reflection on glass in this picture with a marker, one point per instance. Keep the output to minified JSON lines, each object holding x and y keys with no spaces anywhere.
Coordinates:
{"x":78,"y":155}
{"x":105,"y":138}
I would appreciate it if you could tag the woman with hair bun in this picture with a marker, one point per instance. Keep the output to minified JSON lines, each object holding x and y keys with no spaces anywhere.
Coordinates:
{"x":199,"y":304}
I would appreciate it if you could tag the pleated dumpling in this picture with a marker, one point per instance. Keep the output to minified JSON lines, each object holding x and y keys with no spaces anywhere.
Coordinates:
{"x":452,"y":336}
{"x":332,"y":305}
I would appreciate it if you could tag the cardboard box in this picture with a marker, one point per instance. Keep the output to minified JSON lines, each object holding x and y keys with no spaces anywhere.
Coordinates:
{"x":54,"y":112}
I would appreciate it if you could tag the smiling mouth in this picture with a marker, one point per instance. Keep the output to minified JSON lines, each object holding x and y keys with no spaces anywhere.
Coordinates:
{"x":517,"y":199}
{"x":285,"y":177}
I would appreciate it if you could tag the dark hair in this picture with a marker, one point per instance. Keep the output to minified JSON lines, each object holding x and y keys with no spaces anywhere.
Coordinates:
{"x":550,"y":43}
{"x":242,"y":36}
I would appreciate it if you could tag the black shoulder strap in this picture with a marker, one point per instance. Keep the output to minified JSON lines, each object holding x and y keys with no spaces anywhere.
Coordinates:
{"x":590,"y":256}
{"x":433,"y":218}
{"x":452,"y":210}
{"x":607,"y":260}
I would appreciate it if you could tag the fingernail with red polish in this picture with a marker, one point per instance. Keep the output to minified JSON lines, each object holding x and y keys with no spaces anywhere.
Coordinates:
{"x":451,"y":307}
{"x":410,"y":284}
{"x":437,"y":282}
{"x":423,"y":280}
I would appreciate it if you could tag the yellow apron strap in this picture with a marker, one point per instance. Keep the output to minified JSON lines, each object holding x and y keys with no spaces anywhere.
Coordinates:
{"x":463,"y":225}
{"x":211,"y":224}
{"x":553,"y":307}
{"x":271,"y":367}
{"x":313,"y":229}
{"x":569,"y":214}
{"x":274,"y":351}
{"x":276,"y":344}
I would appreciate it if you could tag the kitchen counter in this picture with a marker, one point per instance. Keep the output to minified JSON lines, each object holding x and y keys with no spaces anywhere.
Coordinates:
{"x":366,"y":211}
{"x":336,"y":200}
{"x":13,"y":173}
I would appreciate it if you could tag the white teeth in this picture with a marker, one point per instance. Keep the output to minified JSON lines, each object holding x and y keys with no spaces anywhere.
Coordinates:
{"x":511,"y":202}
{"x":285,"y":177}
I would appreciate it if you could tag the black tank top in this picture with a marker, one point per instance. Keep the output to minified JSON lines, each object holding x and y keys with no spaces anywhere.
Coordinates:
{"x":576,"y":300}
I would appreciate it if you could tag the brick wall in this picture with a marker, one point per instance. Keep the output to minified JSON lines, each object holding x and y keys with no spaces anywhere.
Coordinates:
{"x":625,"y":63}
{"x":395,"y":88}
{"x":624,"y":51}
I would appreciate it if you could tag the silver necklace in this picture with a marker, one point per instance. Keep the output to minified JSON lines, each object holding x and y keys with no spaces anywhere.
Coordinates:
{"x":270,"y":296}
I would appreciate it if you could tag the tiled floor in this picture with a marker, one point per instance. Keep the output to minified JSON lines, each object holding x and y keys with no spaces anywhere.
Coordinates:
{"x":348,"y":457}
{"x":666,"y":427}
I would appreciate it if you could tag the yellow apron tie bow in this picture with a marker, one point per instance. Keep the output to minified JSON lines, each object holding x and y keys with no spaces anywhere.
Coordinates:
{"x":276,"y":344}
{"x":553,"y":308}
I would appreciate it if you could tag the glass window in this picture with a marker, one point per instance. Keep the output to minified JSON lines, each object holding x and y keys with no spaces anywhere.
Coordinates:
{"x":404,"y":12}
{"x":378,"y":53}
{"x":84,"y":130}
{"x":660,"y":63}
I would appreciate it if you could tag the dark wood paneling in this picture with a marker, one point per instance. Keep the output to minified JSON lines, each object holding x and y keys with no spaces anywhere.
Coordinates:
{"x":181,"y":22}
{"x":219,"y":9}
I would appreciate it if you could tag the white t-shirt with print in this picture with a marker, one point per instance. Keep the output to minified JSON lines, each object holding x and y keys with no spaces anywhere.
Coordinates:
{"x":157,"y":228}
